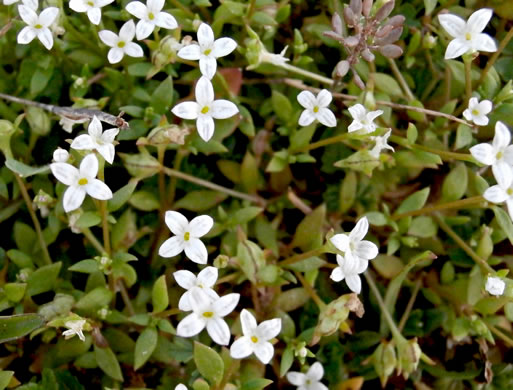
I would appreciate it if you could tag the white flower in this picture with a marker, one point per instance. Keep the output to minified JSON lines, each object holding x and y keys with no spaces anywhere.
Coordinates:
{"x":37,"y":25}
{"x":363,"y":119}
{"x":180,"y":387}
{"x":92,"y":7}
{"x":316,"y":108}
{"x":33,"y":4}
{"x":205,"y":280}
{"x":468,"y":36}
{"x":76,"y":327}
{"x":477,"y":111}
{"x":499,"y":155}
{"x":275,"y":59}
{"x":495,"y":285}
{"x":205,"y":109}
{"x":60,"y":155}
{"x":381,"y":143}
{"x":97,"y":139}
{"x":81,"y":182}
{"x":67,"y":123}
{"x":150,"y":15}
{"x":256,"y":338}
{"x":209,"y":314}
{"x":349,"y":269}
{"x":208,"y":50}
{"x":186,"y":236}
{"x":121,"y":44}
{"x":353,"y":245}
{"x":309,"y":381}
{"x":500,"y":194}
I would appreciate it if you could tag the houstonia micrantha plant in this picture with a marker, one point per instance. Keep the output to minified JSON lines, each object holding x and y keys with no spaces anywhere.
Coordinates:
{"x":222,"y":195}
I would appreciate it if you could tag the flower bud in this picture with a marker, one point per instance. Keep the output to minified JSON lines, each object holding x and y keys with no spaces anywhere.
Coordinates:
{"x":342,"y":68}
{"x":349,"y":17}
{"x":336,"y":23}
{"x":356,"y":7}
{"x":385,"y":361}
{"x":391,"y":51}
{"x":385,"y":10}
{"x":60,"y":155}
{"x":367,"y":7}
{"x":409,"y":353}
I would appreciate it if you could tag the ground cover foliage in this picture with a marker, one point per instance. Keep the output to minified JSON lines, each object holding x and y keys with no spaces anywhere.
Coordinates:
{"x":256,"y":194}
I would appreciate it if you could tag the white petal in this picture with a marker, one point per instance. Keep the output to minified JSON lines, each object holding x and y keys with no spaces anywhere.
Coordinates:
{"x":483,"y":153}
{"x":354,"y":126}
{"x":26,"y":35}
{"x":324,"y":98}
{"x":509,"y":204}
{"x":358,"y":111}
{"x":326,"y":117}
{"x":454,"y":25}
{"x":133,"y":49}
{"x":89,"y":166}
{"x":502,"y":136}
{"x":480,"y":120}
{"x":65,"y":173}
{"x":208,"y":276}
{"x":48,"y":15}
{"x":264,"y":352}
{"x":46,"y":37}
{"x":223,"y":47}
{"x":360,"y":230}
{"x":468,"y":114}
{"x":495,"y":194}
{"x":94,"y":15}
{"x":205,"y":125}
{"x":484,"y":42}
{"x":208,"y":66}
{"x":306,"y":118}
{"x":317,"y":386}
{"x":176,"y":222}
{"x":218,"y":330}
{"x":155,"y":5}
{"x":73,"y":198}
{"x":109,"y":38}
{"x":205,"y":35}
{"x":28,"y":15}
{"x":508,"y":155}
{"x":77,"y":5}
{"x":222,"y":109}
{"x":127,"y":31}
{"x":296,"y":378}
{"x":371,"y":115}
{"x":165,"y":20}
{"x":241,"y":348}
{"x":479,"y":19}
{"x":486,"y":106}
{"x":95,"y":128}
{"x":103,"y":3}
{"x":137,"y":9}
{"x":196,"y":251}
{"x":190,"y":326}
{"x":456,"y":48}
{"x":60,"y":155}
{"x":200,"y":225}
{"x":186,"y":110}
{"x":204,"y":92}
{"x":502,"y":173}
{"x":269,"y":329}
{"x":180,"y":386}
{"x":190,"y":52}
{"x":337,"y":274}
{"x":247,"y":322}
{"x":115,"y":55}
{"x":341,"y":241}
{"x":184,"y":303}
{"x":109,"y":135}
{"x":171,"y":247}
{"x":144,"y":29}
{"x":307,"y":99}
{"x":98,"y":189}
{"x":354,"y":283}
{"x":185,"y":279}
{"x":225,"y":305}
{"x":316,"y":371}
{"x":366,"y":250}
{"x":29,"y":3}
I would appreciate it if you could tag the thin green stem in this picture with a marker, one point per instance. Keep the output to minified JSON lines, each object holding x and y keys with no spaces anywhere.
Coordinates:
{"x":306,"y":73}
{"x":321,"y":143}
{"x":398,"y":75}
{"x":103,"y":210}
{"x":125,"y":297}
{"x":495,"y":55}
{"x":467,"y":61}
{"x":409,"y":306}
{"x":457,"y":204}
{"x":445,"y":155}
{"x":93,"y":241}
{"x":185,"y":9}
{"x":302,"y":256}
{"x":310,"y":290}
{"x":501,"y":335}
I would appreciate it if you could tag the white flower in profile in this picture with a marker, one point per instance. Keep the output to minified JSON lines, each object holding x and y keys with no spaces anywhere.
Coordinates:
{"x":205,"y":280}
{"x":353,"y":245}
{"x":477,"y":111}
{"x":92,"y":7}
{"x":209,"y":314}
{"x":67,"y":123}
{"x":60,"y":155}
{"x":309,"y":381}
{"x":81,"y":181}
{"x":499,"y":155}
{"x":186,"y":237}
{"x":37,"y":25}
{"x":468,"y":36}
{"x":255,"y":338}
{"x":207,"y":50}
{"x":76,"y":327}
{"x":495,"y":286}
{"x":33,"y":4}
{"x":500,"y":194}
{"x":381,"y":143}
{"x":205,"y":109}
{"x":362,"y":119}
{"x":121,"y":44}
{"x":349,"y":269}
{"x":97,"y":139}
{"x":316,"y":108}
{"x":150,"y":15}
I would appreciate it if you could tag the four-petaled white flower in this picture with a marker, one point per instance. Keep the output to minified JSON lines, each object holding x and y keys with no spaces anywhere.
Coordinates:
{"x":353,"y":244}
{"x":477,"y":111}
{"x":495,"y":286}
{"x":208,"y":50}
{"x":92,"y":7}
{"x":37,"y":25}
{"x":309,"y":381}
{"x":255,"y":338}
{"x":468,"y":36}
{"x":499,"y":155}
{"x":150,"y":15}
{"x":205,"y":280}
{"x":209,"y":314}
{"x":97,"y":139}
{"x":205,"y":109}
{"x":316,"y":108}
{"x":76,"y":327}
{"x":81,"y":181}
{"x":186,"y":236}
{"x":363,"y":119}
{"x":349,"y":269}
{"x":381,"y":143}
{"x":121,"y":44}
{"x":60,"y":155}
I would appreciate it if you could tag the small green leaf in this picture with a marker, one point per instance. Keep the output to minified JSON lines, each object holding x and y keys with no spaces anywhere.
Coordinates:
{"x":292,"y":299}
{"x":25,"y":170}
{"x":5,"y":378}
{"x":15,"y":291}
{"x":16,"y":326}
{"x":86,"y":266}
{"x":413,"y":202}
{"x":108,"y":362}
{"x":210,"y":365}
{"x":281,"y":106}
{"x":121,"y":196}
{"x":43,"y":279}
{"x":347,"y":193}
{"x":504,"y":222}
{"x":162,"y":97}
{"x":423,"y":226}
{"x":251,"y":258}
{"x":387,"y":84}
{"x":309,"y":232}
{"x":256,"y":384}
{"x":95,"y":299}
{"x":88,"y":219}
{"x":144,"y":346}
{"x":287,"y":358}
{"x":145,"y":201}
{"x":200,"y":200}
{"x":159,"y":296}
{"x":455,"y":184}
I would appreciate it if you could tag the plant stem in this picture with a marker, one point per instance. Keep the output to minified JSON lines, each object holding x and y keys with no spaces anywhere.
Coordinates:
{"x":103,"y":210}
{"x":186,"y":10}
{"x":495,"y":55}
{"x":445,"y":155}
{"x":93,"y":241}
{"x":398,"y":75}
{"x":467,"y":60}
{"x":409,"y":306}
{"x":485,"y":267}
{"x":322,"y":142}
{"x":33,"y":216}
{"x":457,"y":204}
{"x":306,"y":73}
{"x":309,"y":289}
{"x":501,"y":335}
{"x":125,"y":297}
{"x":302,"y":256}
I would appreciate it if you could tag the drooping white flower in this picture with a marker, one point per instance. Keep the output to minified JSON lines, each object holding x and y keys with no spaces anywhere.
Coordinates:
{"x":60,"y":155}
{"x":362,"y":119}
{"x":271,"y":58}
{"x":150,"y":15}
{"x":37,"y":25}
{"x":468,"y":36}
{"x":353,"y":244}
{"x":205,"y":280}
{"x":81,"y":181}
{"x":97,"y":139}
{"x":205,"y":109}
{"x":209,"y":314}
{"x":381,"y":143}
{"x":92,"y":7}
{"x":76,"y":327}
{"x":67,"y":123}
{"x":500,"y":194}
{"x":349,"y":268}
{"x":477,"y":111}
{"x":309,"y":381}
{"x":255,"y":338}
{"x":499,"y":155}
{"x":495,"y":286}
{"x":33,"y":4}
{"x":121,"y":44}
{"x":186,"y":237}
{"x":207,"y":50}
{"x":316,"y":108}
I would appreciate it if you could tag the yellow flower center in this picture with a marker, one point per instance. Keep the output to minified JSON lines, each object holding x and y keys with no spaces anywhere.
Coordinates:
{"x":498,"y":156}
{"x":205,"y":109}
{"x":254,"y":339}
{"x":90,"y":3}
{"x":316,"y":109}
{"x":38,"y":26}
{"x":207,"y":52}
{"x":187,"y":236}
{"x":468,"y":36}
{"x":83,"y":181}
{"x":509,"y":191}
{"x":208,"y":314}
{"x":475,"y":112}
{"x":151,"y":16}
{"x":121,"y":44}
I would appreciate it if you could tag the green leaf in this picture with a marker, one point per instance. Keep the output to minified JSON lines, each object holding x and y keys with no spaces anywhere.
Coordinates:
{"x":429,"y":6}
{"x":309,"y":231}
{"x":249,"y":173}
{"x":256,"y":384}
{"x":347,"y":193}
{"x":145,"y":201}
{"x":43,"y":279}
{"x":88,"y":219}
{"x":455,"y":184}
{"x":246,"y":124}
{"x":162,"y":97}
{"x":95,"y":299}
{"x":281,"y":106}
{"x":387,"y":84}
{"x":86,"y":266}
{"x":413,"y":202}
{"x":108,"y":362}
{"x":200,"y":200}
{"x":16,"y":326}
{"x":423,"y":226}
{"x":159,"y":296}
{"x":121,"y":196}
{"x":15,"y":291}
{"x":244,"y":215}
{"x":287,"y":358}
{"x":25,"y":170}
{"x":361,"y":161}
{"x":251,"y":259}
{"x":504,"y":222}
{"x":209,"y":364}
{"x":144,"y":346}
{"x":5,"y":378}
{"x":292,"y":299}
